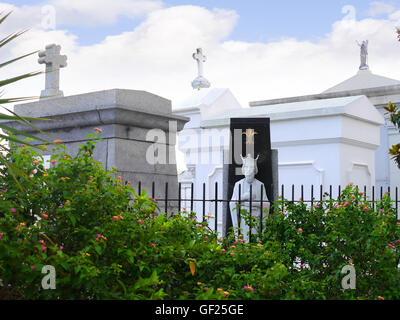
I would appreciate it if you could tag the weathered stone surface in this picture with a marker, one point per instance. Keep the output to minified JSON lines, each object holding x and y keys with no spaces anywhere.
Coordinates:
{"x":127,"y":119}
{"x":134,"y":100}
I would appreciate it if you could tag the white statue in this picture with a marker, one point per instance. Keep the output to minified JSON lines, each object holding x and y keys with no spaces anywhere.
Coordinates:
{"x":363,"y":55}
{"x":200,"y":81}
{"x":249,"y":170}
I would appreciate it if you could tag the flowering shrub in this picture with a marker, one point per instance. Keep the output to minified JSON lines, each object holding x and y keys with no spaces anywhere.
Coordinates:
{"x":82,"y":220}
{"x":319,"y":241}
{"x":107,"y":242}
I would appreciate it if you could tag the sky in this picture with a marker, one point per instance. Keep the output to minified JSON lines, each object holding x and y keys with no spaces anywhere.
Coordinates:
{"x":259,"y":49}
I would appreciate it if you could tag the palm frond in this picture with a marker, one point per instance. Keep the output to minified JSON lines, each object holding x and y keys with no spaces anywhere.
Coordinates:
{"x":24,"y":121}
{"x":12,"y":100}
{"x":16,"y":59}
{"x":5,"y":17}
{"x":11,"y":37}
{"x":15,"y":79}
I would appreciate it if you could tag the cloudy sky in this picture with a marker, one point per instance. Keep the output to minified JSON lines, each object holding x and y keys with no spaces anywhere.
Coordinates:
{"x":260,"y":49}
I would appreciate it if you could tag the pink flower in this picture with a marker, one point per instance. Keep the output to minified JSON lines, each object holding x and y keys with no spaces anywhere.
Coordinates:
{"x":381,"y":298}
{"x":13,"y":210}
{"x":4,"y":191}
{"x":365,"y":208}
{"x":206,"y":288}
{"x":45,"y":216}
{"x":61,"y":248}
{"x":223,"y":250}
{"x":346,"y":204}
{"x":35,"y":162}
{"x":53,"y":161}
{"x":43,"y":248}
{"x":206,"y":237}
{"x":140,"y":221}
{"x":42,"y":242}
{"x":98,"y":130}
{"x":302,"y":266}
{"x":246,"y":288}
{"x":300,"y":230}
{"x":32,"y":267}
{"x":232,"y":253}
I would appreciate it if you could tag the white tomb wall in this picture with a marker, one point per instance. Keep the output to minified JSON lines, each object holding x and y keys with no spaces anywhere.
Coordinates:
{"x":307,"y":164}
{"x":361,"y":132}
{"x":358,"y":165}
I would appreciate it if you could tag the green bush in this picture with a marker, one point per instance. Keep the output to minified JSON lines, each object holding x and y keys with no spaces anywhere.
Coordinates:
{"x":107,"y":242}
{"x":322,"y":239}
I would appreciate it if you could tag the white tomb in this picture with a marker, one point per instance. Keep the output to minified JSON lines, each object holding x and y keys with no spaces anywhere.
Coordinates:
{"x":204,"y":148}
{"x":322,"y":142}
{"x":333,"y":138}
{"x":379,"y":90}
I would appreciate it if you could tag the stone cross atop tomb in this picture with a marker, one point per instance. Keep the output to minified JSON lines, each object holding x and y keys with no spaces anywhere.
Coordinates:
{"x":200,"y":81}
{"x":54,"y":61}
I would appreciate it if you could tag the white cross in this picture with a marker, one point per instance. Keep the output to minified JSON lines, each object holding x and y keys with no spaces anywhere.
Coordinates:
{"x":200,"y":81}
{"x":54,"y":61}
{"x":200,"y":57}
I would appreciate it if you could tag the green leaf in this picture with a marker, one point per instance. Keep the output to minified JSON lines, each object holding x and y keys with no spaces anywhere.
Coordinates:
{"x":16,"y":59}
{"x":5,"y":17}
{"x":24,"y":121}
{"x":122,"y":285}
{"x":15,"y":79}
{"x":71,"y":218}
{"x":98,"y":249}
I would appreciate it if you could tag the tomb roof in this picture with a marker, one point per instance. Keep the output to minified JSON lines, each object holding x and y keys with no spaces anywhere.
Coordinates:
{"x":364,"y":79}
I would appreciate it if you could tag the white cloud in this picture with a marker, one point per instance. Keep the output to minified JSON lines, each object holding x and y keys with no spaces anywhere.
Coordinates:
{"x":77,"y":12}
{"x":156,"y":57}
{"x":377,"y":8}
{"x":71,"y":12}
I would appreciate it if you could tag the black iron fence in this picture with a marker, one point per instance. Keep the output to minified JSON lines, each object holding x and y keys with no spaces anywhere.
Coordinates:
{"x":310,"y":195}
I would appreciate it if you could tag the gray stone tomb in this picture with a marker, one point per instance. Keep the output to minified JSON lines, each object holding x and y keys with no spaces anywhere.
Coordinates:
{"x":126,"y":118}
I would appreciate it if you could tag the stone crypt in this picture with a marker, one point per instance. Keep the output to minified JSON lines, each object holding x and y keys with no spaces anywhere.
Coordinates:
{"x":127,"y":119}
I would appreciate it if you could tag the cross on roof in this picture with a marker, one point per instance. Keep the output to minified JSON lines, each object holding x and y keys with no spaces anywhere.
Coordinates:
{"x":200,"y":81}
{"x":54,"y":61}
